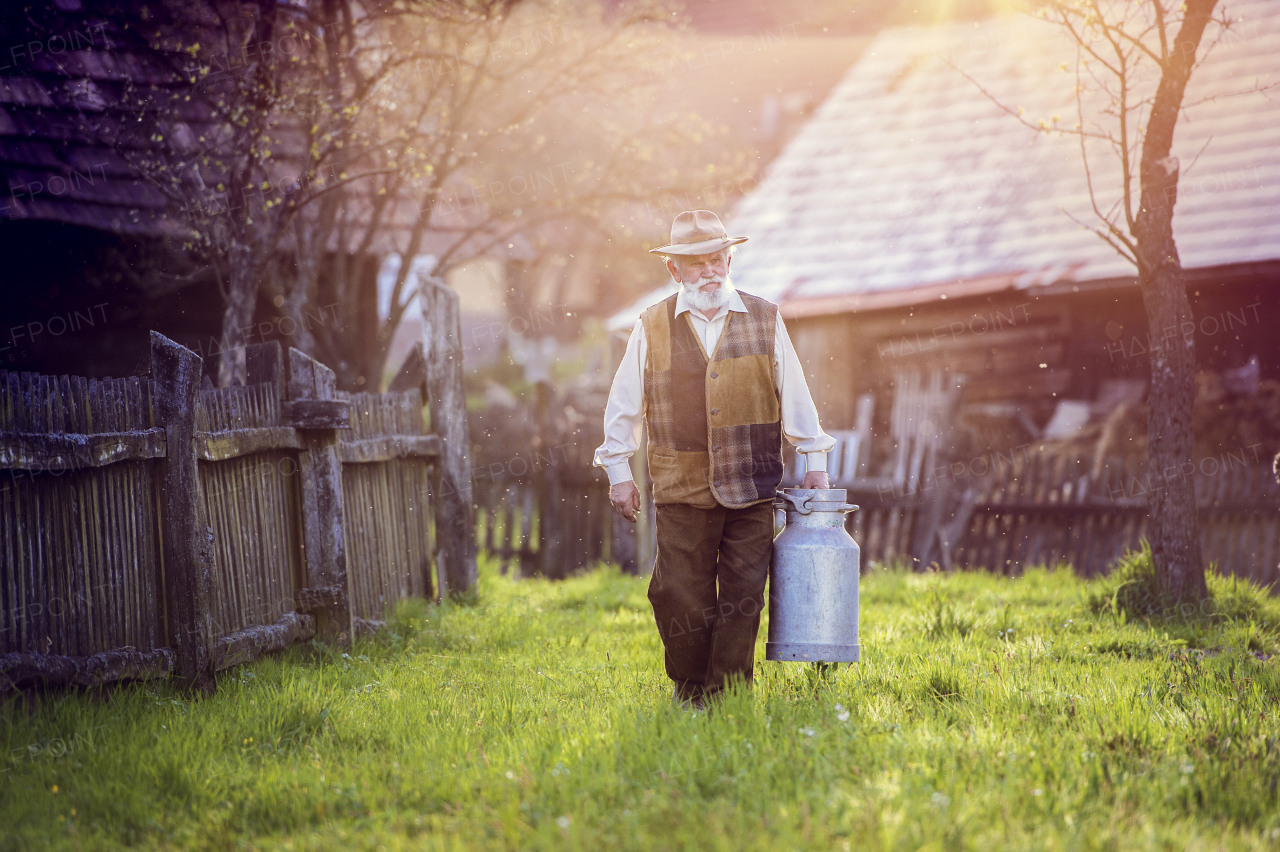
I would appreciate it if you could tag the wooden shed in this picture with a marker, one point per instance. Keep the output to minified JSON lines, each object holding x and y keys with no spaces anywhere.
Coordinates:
{"x":913,"y":225}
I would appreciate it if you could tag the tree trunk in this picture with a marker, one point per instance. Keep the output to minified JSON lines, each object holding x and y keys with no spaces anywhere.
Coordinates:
{"x":248,"y":245}
{"x":242,"y":297}
{"x":1175,"y":533}
{"x":298,"y":294}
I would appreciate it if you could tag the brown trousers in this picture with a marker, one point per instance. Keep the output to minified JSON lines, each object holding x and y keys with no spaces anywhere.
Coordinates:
{"x":707,"y":592}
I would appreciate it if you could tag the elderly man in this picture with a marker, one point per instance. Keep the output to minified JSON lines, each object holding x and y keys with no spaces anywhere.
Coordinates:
{"x":712,"y":371}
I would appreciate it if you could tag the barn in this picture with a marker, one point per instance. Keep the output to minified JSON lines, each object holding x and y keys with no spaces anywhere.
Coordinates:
{"x":913,"y":225}
{"x":928,"y":234}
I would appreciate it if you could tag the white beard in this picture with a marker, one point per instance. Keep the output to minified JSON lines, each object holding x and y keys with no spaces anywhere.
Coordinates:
{"x":704,"y":300}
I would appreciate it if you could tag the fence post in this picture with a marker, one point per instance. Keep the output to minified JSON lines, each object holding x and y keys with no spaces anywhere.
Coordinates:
{"x":311,"y":409}
{"x":551,"y":557}
{"x":447,"y":401}
{"x":646,"y":518}
{"x":622,"y":544}
{"x":264,"y":364}
{"x":175,"y":375}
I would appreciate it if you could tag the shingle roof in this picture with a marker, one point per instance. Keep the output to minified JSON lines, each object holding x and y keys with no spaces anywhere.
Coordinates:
{"x":65,"y":143}
{"x":54,"y":166}
{"x":909,"y":182}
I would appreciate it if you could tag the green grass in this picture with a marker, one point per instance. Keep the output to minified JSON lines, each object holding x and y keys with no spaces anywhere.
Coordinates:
{"x":988,"y":713}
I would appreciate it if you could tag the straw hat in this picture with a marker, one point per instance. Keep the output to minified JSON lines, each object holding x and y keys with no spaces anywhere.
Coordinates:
{"x":697,"y":232}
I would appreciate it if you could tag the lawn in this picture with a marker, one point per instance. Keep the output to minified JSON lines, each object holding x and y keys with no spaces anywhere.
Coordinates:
{"x":988,"y":713}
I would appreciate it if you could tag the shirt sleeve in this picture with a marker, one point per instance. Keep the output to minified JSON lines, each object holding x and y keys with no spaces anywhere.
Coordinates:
{"x":799,"y":414}
{"x":624,"y":413}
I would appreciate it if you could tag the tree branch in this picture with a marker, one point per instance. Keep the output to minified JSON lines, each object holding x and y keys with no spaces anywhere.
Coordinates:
{"x":1121,"y":248}
{"x":1039,"y":128}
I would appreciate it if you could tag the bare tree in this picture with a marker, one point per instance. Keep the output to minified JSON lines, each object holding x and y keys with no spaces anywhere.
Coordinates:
{"x":241,"y":116}
{"x":294,"y":143}
{"x":1119,"y":46}
{"x":503,"y":130}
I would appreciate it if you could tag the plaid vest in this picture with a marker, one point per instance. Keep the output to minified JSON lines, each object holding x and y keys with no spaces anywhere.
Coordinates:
{"x":715,"y":423}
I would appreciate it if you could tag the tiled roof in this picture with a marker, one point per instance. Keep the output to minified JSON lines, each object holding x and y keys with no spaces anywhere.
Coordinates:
{"x":909,"y":183}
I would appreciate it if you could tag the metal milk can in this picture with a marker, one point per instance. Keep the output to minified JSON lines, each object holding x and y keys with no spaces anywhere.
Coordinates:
{"x":813,"y":582}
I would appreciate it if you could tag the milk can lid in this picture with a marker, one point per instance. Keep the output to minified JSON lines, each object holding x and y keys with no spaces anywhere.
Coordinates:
{"x":806,"y":500}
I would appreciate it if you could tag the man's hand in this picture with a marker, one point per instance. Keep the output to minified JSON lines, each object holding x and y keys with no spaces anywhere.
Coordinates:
{"x":816,"y":479}
{"x":625,"y":497}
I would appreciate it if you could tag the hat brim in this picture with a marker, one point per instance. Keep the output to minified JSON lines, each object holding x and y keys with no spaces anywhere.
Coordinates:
{"x":704,"y":247}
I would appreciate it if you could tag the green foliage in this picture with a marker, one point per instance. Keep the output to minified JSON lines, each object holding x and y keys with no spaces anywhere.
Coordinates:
{"x":987,"y":713}
{"x":1131,"y":588}
{"x":1238,"y":599}
{"x":1132,"y":591}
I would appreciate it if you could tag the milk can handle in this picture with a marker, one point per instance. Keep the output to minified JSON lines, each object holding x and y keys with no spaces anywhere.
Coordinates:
{"x":803,"y":505}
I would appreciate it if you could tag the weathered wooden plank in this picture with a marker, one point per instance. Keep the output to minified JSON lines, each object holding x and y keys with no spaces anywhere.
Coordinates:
{"x":132,"y":496}
{"x":233,"y":443}
{"x":622,"y":543}
{"x":367,"y":450}
{"x":264,"y":364}
{"x":318,"y":413}
{"x":74,"y":451}
{"x":252,"y":642}
{"x":20,"y":670}
{"x":506,"y":519}
{"x":489,"y":519}
{"x":311,"y":600}
{"x":322,"y":513}
{"x":175,"y":372}
{"x":422,"y":551}
{"x":1238,"y":508}
{"x":387,"y":519}
{"x":1057,"y":509}
{"x":446,"y":398}
{"x":54,"y":579}
{"x":10,"y":401}
{"x":112,"y":540}
{"x":222,"y":599}
{"x":252,"y":507}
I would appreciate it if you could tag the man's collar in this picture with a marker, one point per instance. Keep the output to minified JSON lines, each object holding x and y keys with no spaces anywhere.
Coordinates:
{"x":735,"y":302}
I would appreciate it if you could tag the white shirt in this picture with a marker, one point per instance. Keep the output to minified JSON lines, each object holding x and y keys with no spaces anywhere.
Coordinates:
{"x":624,"y":414}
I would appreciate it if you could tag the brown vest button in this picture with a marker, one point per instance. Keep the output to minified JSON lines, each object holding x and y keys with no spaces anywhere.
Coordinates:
{"x":715,"y":449}
{"x":715,"y":411}
{"x":715,"y":375}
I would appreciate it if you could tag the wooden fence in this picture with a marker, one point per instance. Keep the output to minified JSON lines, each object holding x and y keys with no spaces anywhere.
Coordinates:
{"x":150,"y":528}
{"x":541,"y":508}
{"x":385,"y":485}
{"x":551,"y":522}
{"x":1028,"y":507}
{"x":1055,"y":507}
